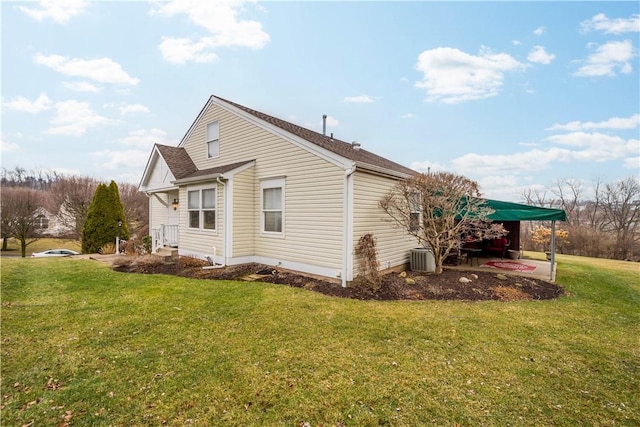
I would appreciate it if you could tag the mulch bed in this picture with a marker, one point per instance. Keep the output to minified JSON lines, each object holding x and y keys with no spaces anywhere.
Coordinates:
{"x":476,"y":285}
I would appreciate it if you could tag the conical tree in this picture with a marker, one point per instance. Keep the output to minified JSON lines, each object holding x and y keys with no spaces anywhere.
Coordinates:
{"x":123,"y":228}
{"x":105,"y":219}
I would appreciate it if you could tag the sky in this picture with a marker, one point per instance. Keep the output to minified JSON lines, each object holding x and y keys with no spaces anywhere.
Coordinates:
{"x":517,"y":96}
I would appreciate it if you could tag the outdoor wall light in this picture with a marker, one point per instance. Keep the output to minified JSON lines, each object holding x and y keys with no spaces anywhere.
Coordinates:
{"x":175,"y":204}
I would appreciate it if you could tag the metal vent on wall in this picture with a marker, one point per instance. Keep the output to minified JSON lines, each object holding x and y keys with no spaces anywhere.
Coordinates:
{"x":422,"y":260}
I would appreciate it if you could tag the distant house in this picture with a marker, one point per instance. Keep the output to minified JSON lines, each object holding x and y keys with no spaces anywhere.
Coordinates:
{"x":50,"y":224}
{"x":243,"y":186}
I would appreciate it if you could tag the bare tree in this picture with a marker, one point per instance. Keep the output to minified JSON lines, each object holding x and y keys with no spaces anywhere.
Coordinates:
{"x":570,"y":198}
{"x":621,"y":214}
{"x":136,"y":209}
{"x":71,"y":197}
{"x":440,"y":209}
{"x":19,"y":207}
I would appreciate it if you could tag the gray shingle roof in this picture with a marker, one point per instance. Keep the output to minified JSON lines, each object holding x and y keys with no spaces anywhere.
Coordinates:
{"x":178,"y":161}
{"x":334,"y":145}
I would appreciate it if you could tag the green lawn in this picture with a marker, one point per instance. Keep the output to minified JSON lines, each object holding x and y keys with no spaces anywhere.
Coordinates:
{"x":89,"y":346}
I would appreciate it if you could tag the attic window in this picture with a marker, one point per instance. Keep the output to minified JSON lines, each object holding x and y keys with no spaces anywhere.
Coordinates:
{"x":213,"y":141}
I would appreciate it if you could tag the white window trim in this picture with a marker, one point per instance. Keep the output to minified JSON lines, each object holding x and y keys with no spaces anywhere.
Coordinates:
{"x":200,"y":210}
{"x":209,"y":141}
{"x":266,"y":184}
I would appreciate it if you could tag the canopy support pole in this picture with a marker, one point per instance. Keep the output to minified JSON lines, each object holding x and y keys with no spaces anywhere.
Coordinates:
{"x":553,"y":250}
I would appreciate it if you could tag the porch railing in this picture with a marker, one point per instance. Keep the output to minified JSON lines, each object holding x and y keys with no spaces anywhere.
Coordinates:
{"x":165,"y":235}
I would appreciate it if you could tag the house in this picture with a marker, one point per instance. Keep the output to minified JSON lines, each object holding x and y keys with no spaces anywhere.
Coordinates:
{"x":50,"y":224}
{"x":243,"y":186}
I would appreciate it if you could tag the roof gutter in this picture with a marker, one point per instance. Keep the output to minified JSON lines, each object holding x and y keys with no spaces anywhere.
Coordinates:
{"x":378,"y":170}
{"x":196,"y":179}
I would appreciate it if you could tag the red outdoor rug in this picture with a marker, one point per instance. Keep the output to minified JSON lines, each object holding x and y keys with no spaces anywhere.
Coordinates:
{"x":511,"y":266}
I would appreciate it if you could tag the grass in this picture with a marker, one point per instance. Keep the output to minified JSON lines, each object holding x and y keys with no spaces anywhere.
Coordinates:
{"x":86,"y":345}
{"x":46,"y":243}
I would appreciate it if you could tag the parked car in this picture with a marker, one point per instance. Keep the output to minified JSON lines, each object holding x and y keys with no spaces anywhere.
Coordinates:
{"x":54,"y":252}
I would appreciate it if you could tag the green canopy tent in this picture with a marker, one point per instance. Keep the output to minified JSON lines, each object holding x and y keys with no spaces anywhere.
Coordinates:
{"x":508,"y":211}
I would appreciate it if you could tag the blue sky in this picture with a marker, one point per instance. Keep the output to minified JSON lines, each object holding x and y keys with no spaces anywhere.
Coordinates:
{"x":514,"y":95}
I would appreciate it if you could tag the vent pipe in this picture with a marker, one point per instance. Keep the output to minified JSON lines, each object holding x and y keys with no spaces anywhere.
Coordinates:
{"x":324,"y":125}
{"x":355,"y":145}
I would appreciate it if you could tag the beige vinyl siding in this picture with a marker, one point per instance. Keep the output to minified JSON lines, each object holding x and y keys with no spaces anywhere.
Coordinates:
{"x":202,"y":242}
{"x":313,"y":189}
{"x":393,"y":243}
{"x":244,"y":213}
{"x":158,"y":214}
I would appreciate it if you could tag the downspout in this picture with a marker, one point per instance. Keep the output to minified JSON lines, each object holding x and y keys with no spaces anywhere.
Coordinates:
{"x":226,"y":222}
{"x":553,"y":251}
{"x":347,"y":238}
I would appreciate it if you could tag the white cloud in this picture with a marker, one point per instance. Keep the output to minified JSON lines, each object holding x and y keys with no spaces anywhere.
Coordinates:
{"x":359,"y":99}
{"x":631,"y":122}
{"x":540,"y":56}
{"x":7,"y":147}
{"x":427,"y":166}
{"x":220,"y":19}
{"x":82,"y":86}
{"x":74,"y":118}
{"x":607,"y":58}
{"x":539,"y":31}
{"x":632,"y":163}
{"x":182,"y":50}
{"x":596,"y":147}
{"x":600,"y":22}
{"x":408,"y":116}
{"x":452,"y":76}
{"x":146,"y":138}
{"x":60,"y":11}
{"x":577,"y":147}
{"x":515,"y":42}
{"x":513,"y":164}
{"x":103,"y":70}
{"x":133,"y":108}
{"x":111,"y":159}
{"x":20,"y":103}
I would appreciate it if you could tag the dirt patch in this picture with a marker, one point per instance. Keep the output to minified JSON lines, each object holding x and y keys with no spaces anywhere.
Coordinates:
{"x":452,"y":284}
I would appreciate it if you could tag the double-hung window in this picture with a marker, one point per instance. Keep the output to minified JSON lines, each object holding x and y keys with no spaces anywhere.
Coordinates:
{"x":272,"y":206}
{"x":213,"y":140}
{"x":202,"y":208}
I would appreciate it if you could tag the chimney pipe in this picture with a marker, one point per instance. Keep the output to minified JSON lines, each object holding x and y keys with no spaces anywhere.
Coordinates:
{"x":324,"y":125}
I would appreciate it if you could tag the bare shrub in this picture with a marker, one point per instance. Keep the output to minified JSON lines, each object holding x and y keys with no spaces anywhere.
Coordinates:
{"x":505,"y":293}
{"x":191,"y":262}
{"x":368,"y":261}
{"x":108,"y":248}
{"x":148,"y":260}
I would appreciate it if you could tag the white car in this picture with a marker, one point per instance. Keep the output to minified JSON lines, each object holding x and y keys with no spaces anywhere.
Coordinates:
{"x":54,"y":252}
